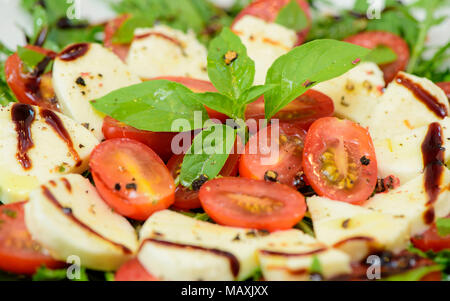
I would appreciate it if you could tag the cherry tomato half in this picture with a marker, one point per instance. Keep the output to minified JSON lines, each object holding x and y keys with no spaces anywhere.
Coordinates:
{"x":282,"y":163}
{"x":33,"y":89}
{"x":303,"y":111}
{"x":372,"y":39}
{"x":121,"y":50}
{"x":446,"y":87}
{"x":133,"y":271}
{"x":20,"y":254}
{"x":240,"y":202}
{"x":131,"y":178}
{"x":339,"y":160}
{"x":268,"y":10}
{"x":431,"y":240}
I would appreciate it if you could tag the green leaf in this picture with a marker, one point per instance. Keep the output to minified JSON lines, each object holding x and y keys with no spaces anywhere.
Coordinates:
{"x":152,"y":106}
{"x":381,"y":55}
{"x":208,"y":153}
{"x":125,"y":34}
{"x":255,"y":92}
{"x":29,"y":57}
{"x":230,"y":69}
{"x":361,"y":6}
{"x":46,"y":274}
{"x":292,"y":16}
{"x":316,"y":266}
{"x":305,"y":66}
{"x":217,"y":102}
{"x":414,"y":275}
{"x":443,"y":226}
{"x":40,"y":22}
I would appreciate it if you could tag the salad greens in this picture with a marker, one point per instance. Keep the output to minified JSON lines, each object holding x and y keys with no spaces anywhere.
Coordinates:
{"x":292,"y":16}
{"x":443,"y":226}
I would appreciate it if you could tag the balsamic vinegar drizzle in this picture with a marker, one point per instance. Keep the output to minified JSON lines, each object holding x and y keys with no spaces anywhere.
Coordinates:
{"x":73,"y":52}
{"x":23,"y":116}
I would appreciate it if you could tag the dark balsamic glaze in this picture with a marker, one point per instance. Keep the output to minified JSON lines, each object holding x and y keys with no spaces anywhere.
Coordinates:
{"x":41,"y":37}
{"x":23,"y":116}
{"x":356,"y":238}
{"x":74,"y":51}
{"x":55,"y":122}
{"x":424,"y":96}
{"x":68,"y":212}
{"x":267,"y":252}
{"x":234,"y":262}
{"x":33,"y":81}
{"x":66,"y":23}
{"x":67,"y":184}
{"x":161,"y":35}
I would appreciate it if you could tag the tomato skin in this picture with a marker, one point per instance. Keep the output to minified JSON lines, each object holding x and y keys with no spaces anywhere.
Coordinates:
{"x":302,"y":112}
{"x":289,"y":162}
{"x":329,"y":134}
{"x":268,"y":10}
{"x":285,"y":206}
{"x":198,"y":86}
{"x":19,"y":254}
{"x":121,"y":50}
{"x":431,"y":240}
{"x":446,"y":87}
{"x":372,"y":39}
{"x":131,"y":178}
{"x":133,"y":271}
{"x":26,"y":87}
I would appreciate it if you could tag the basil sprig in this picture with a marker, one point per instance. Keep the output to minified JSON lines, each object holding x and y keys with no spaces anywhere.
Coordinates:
{"x":292,"y":16}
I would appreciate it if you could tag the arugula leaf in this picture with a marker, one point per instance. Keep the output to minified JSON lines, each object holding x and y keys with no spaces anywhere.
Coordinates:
{"x":30,"y":58}
{"x":443,"y":226}
{"x":152,"y":106}
{"x":292,"y":16}
{"x":230,"y":69}
{"x":125,"y":33}
{"x":381,"y":55}
{"x":305,"y":66}
{"x":207,"y":155}
{"x":414,"y":275}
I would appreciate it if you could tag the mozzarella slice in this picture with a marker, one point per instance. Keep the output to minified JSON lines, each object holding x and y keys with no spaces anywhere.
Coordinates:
{"x":69,"y":218}
{"x":356,"y":93}
{"x":356,"y":230}
{"x":91,"y":75}
{"x":265,"y":42}
{"x":163,"y":51}
{"x":409,"y":203}
{"x":400,"y":110}
{"x":401,"y":155}
{"x":50,"y":155}
{"x":289,"y":255}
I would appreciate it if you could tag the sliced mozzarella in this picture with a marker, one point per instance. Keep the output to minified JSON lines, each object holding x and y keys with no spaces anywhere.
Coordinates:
{"x":355,"y":93}
{"x":265,"y":42}
{"x":68,"y":218}
{"x":50,"y":155}
{"x":401,"y":155}
{"x":164,"y":51}
{"x":409,"y":203}
{"x":400,"y":110}
{"x":87,"y":77}
{"x":289,"y":255}
{"x":356,"y":230}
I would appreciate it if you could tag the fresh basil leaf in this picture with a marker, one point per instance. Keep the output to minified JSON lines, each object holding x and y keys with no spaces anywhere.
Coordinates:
{"x":230,"y":69}
{"x":208,"y":153}
{"x":316,"y":266}
{"x":30,"y":58}
{"x":217,"y":102}
{"x":443,"y":226}
{"x":152,"y":105}
{"x":361,"y":6}
{"x":381,"y":55}
{"x":292,"y":16}
{"x":125,"y":33}
{"x":414,"y":275}
{"x":305,"y":66}
{"x":46,"y":274}
{"x":255,"y":92}
{"x":40,"y":22}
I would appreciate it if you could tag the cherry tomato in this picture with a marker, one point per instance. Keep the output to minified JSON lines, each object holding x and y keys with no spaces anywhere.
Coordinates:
{"x":446,"y":87}
{"x":159,"y":142}
{"x":282,"y":165}
{"x":33,"y":89}
{"x":240,"y":202}
{"x":121,"y":50}
{"x":339,"y":160}
{"x":198,"y":86}
{"x":133,"y":271}
{"x":185,"y":198}
{"x":302,"y":112}
{"x":431,"y":240}
{"x":20,"y":254}
{"x":131,"y":178}
{"x":268,"y":10}
{"x":372,"y":39}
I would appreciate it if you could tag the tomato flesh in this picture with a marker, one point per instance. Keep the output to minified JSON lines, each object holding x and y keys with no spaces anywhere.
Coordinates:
{"x":131,"y":178}
{"x":240,"y":202}
{"x":19,"y":254}
{"x":283,"y":163}
{"x":133,"y":271}
{"x":121,"y":50}
{"x":372,"y":39}
{"x":431,"y":240}
{"x":339,"y":160}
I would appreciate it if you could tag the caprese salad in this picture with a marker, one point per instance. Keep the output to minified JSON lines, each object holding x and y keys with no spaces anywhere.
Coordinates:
{"x":180,"y":141}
